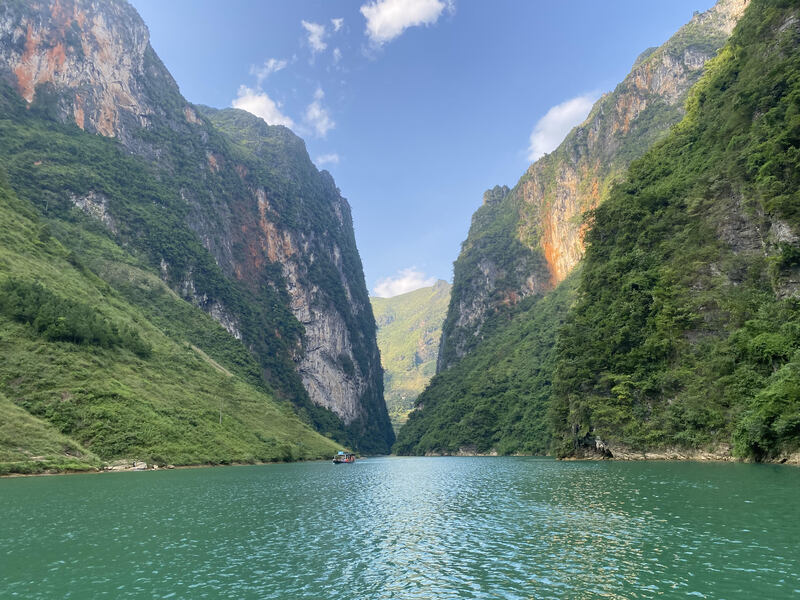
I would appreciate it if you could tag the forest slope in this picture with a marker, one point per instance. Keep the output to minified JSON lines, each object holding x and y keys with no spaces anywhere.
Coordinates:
{"x":682,"y":336}
{"x":227,"y":211}
{"x":409,"y":329}
{"x":525,"y":240}
{"x":88,"y":376}
{"x":686,"y":331}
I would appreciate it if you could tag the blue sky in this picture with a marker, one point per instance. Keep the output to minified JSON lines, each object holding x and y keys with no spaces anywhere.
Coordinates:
{"x":415,"y":106}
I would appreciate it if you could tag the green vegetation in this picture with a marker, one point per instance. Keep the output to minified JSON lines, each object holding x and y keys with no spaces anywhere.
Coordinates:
{"x":409,"y":328}
{"x":146,"y":209}
{"x":30,"y":445}
{"x":61,"y":319}
{"x":86,"y":376}
{"x":687,"y":331}
{"x":493,"y":246}
{"x":504,"y":255}
{"x":496,"y":398}
{"x":682,"y":326}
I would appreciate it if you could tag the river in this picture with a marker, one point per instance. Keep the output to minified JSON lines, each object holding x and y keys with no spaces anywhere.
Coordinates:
{"x":402,"y":528}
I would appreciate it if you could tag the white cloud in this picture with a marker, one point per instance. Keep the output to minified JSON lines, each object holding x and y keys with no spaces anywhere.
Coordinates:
{"x":337,"y":24}
{"x":317,"y":116}
{"x":326,"y":159}
{"x":261,"y":105}
{"x":316,"y":36}
{"x":407,"y":280}
{"x":387,"y":19}
{"x":337,"y":55}
{"x":552,"y":128}
{"x":269,"y":67}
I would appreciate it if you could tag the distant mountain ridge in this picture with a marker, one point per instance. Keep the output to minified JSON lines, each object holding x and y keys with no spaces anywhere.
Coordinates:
{"x":409,"y":329}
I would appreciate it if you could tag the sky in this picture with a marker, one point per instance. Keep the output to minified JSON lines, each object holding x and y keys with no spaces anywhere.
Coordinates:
{"x":416,"y":107}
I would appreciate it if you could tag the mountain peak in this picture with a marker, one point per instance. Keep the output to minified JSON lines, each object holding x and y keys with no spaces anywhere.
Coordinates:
{"x":87,"y":62}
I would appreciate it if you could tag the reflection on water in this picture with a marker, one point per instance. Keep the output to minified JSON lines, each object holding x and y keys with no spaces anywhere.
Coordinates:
{"x":513,"y":528}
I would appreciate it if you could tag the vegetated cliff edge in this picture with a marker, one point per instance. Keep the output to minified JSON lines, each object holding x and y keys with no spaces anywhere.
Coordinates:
{"x":678,"y":336}
{"x":524,"y":241}
{"x":101,"y":361}
{"x":409,"y":329}
{"x":498,"y":352}
{"x":236,"y":219}
{"x":686,"y":330}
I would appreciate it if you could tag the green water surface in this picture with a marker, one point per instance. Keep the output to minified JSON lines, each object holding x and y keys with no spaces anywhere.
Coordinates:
{"x":404,"y":528}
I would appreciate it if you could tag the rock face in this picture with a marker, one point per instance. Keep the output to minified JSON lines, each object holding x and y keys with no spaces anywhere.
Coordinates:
{"x":526,"y":240}
{"x":278,"y":229}
{"x":313,"y":243}
{"x":659,"y":352}
{"x":95,"y":56}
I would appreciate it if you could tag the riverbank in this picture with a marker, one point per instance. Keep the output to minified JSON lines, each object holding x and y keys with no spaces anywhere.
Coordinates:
{"x":720,"y":453}
{"x":128,"y":466}
{"x":604,"y":451}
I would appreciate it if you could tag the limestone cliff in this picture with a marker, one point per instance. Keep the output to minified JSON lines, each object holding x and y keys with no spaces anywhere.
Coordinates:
{"x":526,"y":240}
{"x":285,"y":277}
{"x":93,"y":57}
{"x":310,"y":236}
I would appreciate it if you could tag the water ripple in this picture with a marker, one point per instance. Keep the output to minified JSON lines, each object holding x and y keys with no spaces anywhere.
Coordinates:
{"x":481,"y":528}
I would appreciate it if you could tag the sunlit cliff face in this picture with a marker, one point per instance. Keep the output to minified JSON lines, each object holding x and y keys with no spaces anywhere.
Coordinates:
{"x":90,"y":63}
{"x":586,"y":169}
{"x":94,"y":55}
{"x":551,"y":199}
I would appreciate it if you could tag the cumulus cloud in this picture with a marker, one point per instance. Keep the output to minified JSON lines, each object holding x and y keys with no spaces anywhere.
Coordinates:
{"x":317,"y":116}
{"x":407,"y":280}
{"x":337,"y":24}
{"x":316,"y":36}
{"x":269,"y":67}
{"x":261,"y":105}
{"x":387,"y":19}
{"x":553,"y":127}
{"x":327,"y":159}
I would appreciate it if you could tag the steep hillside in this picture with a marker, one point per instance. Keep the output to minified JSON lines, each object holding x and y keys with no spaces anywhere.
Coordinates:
{"x":679,"y":335}
{"x":496,"y":399}
{"x":228,"y":211}
{"x":88,"y":375}
{"x":686,"y":331}
{"x":524,"y":241}
{"x":409,"y":328}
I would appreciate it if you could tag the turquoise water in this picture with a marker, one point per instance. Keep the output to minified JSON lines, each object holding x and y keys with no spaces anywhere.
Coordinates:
{"x":406,"y":528}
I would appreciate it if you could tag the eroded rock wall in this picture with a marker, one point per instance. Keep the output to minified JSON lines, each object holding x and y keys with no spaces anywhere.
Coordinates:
{"x":531,"y":239}
{"x":89,"y":62}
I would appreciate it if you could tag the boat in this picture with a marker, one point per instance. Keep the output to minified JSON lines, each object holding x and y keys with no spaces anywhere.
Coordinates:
{"x":344,"y":457}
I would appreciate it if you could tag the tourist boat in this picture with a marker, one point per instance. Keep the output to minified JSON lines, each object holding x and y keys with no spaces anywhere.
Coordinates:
{"x":344,"y":457}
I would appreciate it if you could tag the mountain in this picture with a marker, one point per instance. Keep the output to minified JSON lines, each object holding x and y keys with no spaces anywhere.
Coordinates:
{"x":515,"y":279}
{"x":496,"y":399}
{"x":99,"y":363}
{"x":524,"y":241}
{"x":409,"y":328}
{"x":227,"y":212}
{"x":686,"y":331}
